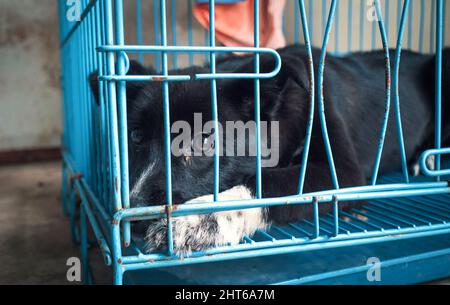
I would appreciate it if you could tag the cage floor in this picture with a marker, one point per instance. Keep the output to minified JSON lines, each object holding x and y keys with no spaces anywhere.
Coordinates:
{"x":378,"y":218}
{"x":386,"y":219}
{"x":429,"y":259}
{"x":334,"y":265}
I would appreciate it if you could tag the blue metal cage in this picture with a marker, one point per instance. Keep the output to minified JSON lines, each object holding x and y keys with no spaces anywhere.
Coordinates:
{"x":406,"y":222}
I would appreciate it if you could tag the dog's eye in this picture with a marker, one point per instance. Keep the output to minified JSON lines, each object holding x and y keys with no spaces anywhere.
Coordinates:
{"x":137,"y":136}
{"x":203,"y":143}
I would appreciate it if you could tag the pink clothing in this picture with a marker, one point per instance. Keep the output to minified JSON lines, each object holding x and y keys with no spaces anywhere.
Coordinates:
{"x":234,"y":23}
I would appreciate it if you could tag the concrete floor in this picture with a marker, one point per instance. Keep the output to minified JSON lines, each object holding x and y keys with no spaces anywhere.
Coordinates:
{"x":34,"y":234}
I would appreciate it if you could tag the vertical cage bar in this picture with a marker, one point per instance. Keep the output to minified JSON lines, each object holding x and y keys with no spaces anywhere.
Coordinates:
{"x":398,"y":117}
{"x":438,"y":77}
{"x":117,"y":253}
{"x":257,"y":88}
{"x":310,"y":65}
{"x":321,"y":105}
{"x":123,"y":128}
{"x":167,"y":139}
{"x":112,"y":105}
{"x":90,"y":177}
{"x":96,"y":121}
{"x":387,"y":60}
{"x":102,"y":119}
{"x":109,"y":140}
{"x":82,"y":103}
{"x":215,"y":115}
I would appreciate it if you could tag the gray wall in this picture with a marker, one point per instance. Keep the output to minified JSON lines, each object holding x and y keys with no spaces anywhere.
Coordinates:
{"x":29,"y":58}
{"x":29,"y":74}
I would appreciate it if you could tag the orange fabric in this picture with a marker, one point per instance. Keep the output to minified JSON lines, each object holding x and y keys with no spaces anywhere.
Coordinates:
{"x":234,"y":23}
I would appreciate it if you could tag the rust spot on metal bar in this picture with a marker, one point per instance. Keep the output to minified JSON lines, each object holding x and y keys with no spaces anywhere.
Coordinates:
{"x":159,"y":78}
{"x":169,"y":210}
{"x":387,"y":74}
{"x":115,"y":222}
{"x":119,"y":261}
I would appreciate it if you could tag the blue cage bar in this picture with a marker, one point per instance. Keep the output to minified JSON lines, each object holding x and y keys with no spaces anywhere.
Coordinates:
{"x":95,"y":182}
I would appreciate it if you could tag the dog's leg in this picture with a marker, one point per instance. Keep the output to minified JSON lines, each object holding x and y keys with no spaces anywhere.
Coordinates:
{"x":199,"y":232}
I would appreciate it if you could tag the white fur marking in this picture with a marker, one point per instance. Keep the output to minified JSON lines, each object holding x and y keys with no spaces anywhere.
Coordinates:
{"x":243,"y":222}
{"x":197,"y":232}
{"x":140,"y":182}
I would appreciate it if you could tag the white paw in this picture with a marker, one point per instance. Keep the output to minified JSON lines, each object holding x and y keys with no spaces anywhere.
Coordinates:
{"x":200,"y":232}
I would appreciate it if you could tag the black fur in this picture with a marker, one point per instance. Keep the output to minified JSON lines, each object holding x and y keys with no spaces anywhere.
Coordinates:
{"x":354,"y":91}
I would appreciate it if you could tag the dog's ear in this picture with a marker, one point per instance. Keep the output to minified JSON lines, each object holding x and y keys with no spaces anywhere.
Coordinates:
{"x":133,"y":88}
{"x":290,"y":85}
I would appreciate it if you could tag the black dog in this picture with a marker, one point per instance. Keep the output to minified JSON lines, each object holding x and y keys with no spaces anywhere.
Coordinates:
{"x":354,"y":93}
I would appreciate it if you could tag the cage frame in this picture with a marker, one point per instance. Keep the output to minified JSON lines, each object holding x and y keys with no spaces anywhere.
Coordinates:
{"x":104,"y":194}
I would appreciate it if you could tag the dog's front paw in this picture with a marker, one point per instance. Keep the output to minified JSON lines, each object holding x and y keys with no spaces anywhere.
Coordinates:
{"x":201,"y":232}
{"x":189,"y":233}
{"x":156,"y":236}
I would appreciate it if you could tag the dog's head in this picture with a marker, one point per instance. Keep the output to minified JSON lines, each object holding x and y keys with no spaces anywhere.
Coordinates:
{"x":192,"y":142}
